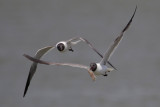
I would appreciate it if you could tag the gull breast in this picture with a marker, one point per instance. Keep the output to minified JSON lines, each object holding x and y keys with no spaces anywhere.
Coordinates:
{"x":101,"y":69}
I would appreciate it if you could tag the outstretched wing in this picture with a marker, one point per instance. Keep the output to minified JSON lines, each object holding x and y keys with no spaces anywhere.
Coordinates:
{"x":61,"y":64}
{"x":114,"y":45}
{"x":90,"y":45}
{"x":75,"y":40}
{"x":33,"y":68}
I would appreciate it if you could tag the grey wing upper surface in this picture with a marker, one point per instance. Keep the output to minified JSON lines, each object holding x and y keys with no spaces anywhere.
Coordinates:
{"x":41,"y":52}
{"x":61,"y":64}
{"x":116,"y":42}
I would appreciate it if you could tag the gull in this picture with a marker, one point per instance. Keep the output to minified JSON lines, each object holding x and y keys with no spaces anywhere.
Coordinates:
{"x":94,"y":69}
{"x":62,"y":46}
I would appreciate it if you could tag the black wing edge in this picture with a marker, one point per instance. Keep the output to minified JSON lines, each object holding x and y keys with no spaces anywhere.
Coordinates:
{"x":127,"y":26}
{"x":27,"y":85}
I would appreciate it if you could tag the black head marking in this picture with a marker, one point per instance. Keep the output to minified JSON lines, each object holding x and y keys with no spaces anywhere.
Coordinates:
{"x":60,"y":46}
{"x":93,"y":66}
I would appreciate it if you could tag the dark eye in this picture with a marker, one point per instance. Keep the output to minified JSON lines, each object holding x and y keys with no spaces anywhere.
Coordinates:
{"x":60,"y":46}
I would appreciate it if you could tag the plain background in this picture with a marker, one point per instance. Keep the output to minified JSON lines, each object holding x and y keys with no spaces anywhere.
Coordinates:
{"x":27,"y":25}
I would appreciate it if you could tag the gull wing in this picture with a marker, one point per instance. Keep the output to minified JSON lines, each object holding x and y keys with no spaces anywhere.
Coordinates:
{"x":33,"y":67}
{"x":114,"y":45}
{"x":62,"y":64}
{"x":75,"y":40}
{"x":90,"y":45}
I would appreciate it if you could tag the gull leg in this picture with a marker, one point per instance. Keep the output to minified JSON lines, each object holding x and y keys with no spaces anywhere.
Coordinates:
{"x":105,"y":74}
{"x":70,"y":49}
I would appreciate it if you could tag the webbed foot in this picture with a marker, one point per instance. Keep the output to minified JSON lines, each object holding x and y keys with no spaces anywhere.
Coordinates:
{"x":105,"y":75}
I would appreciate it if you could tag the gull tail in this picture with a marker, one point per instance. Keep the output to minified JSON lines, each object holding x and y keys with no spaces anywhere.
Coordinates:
{"x":110,"y":69}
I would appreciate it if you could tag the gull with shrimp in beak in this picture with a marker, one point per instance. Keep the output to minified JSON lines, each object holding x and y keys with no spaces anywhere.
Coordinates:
{"x":95,"y":68}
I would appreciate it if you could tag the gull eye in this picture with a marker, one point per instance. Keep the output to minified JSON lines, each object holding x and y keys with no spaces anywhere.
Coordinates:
{"x":60,"y":46}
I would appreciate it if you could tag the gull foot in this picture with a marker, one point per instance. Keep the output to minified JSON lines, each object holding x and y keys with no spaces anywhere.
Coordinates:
{"x":105,"y":75}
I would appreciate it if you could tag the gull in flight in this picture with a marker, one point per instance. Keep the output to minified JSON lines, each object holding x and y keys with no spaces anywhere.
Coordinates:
{"x":62,"y":46}
{"x":94,"y":69}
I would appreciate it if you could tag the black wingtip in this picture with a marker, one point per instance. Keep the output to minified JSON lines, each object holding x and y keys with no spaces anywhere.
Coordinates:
{"x":24,"y":93}
{"x":112,"y":65}
{"x":27,"y":85}
{"x":127,"y":26}
{"x":31,"y":73}
{"x":26,"y":88}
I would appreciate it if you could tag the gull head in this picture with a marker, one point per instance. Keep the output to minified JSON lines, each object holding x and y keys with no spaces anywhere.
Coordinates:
{"x":93,"y":67}
{"x":60,"y":46}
